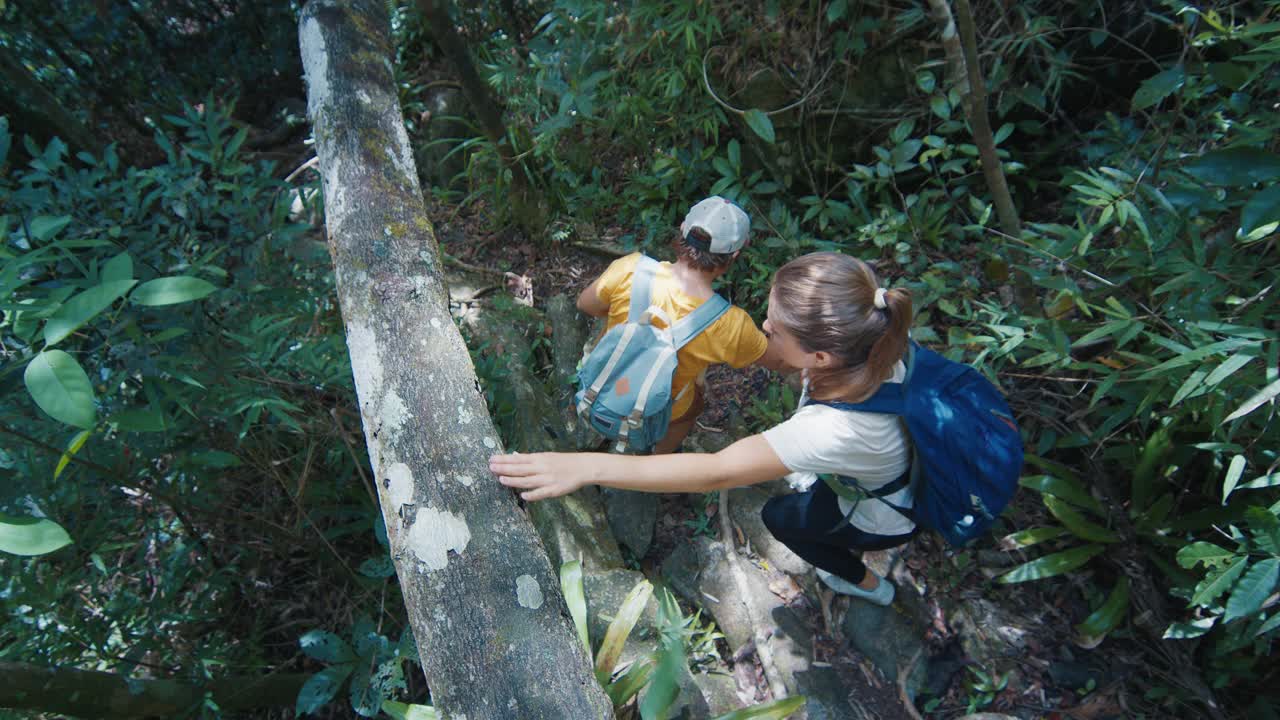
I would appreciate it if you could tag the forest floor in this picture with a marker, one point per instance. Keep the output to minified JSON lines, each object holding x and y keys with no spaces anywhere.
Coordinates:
{"x":1055,"y":678}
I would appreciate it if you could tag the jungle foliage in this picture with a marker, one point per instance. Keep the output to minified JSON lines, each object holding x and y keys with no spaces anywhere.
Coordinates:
{"x":179,"y":414}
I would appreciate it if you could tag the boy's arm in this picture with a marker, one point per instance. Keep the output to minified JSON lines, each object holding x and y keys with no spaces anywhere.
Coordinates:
{"x":590,"y":302}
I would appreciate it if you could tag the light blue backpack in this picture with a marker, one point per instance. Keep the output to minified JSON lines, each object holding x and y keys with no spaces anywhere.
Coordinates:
{"x":625,"y":383}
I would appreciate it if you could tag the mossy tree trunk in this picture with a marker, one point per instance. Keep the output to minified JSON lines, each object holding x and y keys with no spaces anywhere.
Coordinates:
{"x":484,"y":602}
{"x":962,"y":53}
{"x":526,"y":206}
{"x":39,"y":111}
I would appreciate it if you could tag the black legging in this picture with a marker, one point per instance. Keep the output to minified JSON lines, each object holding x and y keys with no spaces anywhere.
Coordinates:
{"x":803,"y":522}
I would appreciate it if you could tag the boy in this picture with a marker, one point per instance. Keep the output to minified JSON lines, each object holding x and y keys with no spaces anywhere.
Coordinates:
{"x":711,"y":236}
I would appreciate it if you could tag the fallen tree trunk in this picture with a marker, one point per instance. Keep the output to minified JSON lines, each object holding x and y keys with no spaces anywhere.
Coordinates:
{"x":483,"y":600}
{"x":93,"y":694}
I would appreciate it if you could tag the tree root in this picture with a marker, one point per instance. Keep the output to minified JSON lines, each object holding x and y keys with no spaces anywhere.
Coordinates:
{"x":904,"y":673}
{"x":763,"y":651}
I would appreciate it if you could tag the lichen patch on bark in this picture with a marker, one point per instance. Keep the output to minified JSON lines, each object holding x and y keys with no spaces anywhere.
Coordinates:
{"x":528,"y":592}
{"x":434,"y":534}
{"x":399,"y":485}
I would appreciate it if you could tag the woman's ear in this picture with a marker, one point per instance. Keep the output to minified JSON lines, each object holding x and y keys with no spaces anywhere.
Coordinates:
{"x":825,"y":360}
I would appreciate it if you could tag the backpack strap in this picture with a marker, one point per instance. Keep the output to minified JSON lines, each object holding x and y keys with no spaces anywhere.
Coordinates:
{"x":589,"y":397}
{"x":634,"y":420}
{"x":849,"y":489}
{"x":702,"y":317}
{"x":641,"y":287}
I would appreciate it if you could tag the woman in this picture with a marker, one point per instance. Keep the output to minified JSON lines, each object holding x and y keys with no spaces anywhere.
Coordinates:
{"x":831,"y":320}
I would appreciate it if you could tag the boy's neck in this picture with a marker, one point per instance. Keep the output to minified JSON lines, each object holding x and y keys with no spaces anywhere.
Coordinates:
{"x":693,"y":281}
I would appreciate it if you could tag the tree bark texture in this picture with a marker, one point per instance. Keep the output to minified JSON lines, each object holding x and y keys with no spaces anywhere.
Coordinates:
{"x":974,"y":91}
{"x":92,"y":694}
{"x":484,"y":602}
{"x":572,"y":527}
{"x":32,"y":96}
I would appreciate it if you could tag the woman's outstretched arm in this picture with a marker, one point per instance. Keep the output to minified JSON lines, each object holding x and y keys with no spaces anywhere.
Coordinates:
{"x":546,"y":475}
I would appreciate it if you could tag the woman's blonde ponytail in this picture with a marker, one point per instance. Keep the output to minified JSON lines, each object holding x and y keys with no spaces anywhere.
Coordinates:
{"x":828,"y":302}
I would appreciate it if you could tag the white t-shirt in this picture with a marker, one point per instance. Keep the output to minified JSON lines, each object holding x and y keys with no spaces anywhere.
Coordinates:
{"x":869,"y":447}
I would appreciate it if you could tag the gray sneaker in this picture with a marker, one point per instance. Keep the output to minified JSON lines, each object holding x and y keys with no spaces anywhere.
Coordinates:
{"x":882,"y":595}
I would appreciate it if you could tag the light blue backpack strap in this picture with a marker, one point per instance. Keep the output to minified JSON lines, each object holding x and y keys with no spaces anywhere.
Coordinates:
{"x":691,"y":325}
{"x":641,"y":287}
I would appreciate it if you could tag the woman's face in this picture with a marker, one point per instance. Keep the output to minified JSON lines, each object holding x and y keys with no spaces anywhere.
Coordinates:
{"x":789,"y":348}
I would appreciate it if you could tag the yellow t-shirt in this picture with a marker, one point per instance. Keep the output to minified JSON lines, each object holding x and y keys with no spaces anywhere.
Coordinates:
{"x":732,"y":339}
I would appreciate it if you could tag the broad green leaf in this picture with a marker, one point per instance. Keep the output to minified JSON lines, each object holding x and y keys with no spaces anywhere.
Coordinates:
{"x":760,"y":123}
{"x":1230,"y":75}
{"x":1193,"y":386}
{"x":73,"y":447}
{"x":621,"y":691}
{"x":1254,"y":588}
{"x":1271,"y":623}
{"x":1265,"y":395}
{"x":82,"y":308}
{"x":1158,"y":87}
{"x":616,"y":635}
{"x":1236,"y":166}
{"x":1053,"y":468}
{"x":902,"y":131}
{"x":1193,"y":629}
{"x":172,"y":290}
{"x":1266,"y":529}
{"x":1031,"y":536}
{"x":1065,"y":489}
{"x":836,"y":10}
{"x":118,"y":268}
{"x":1077,"y":524}
{"x":44,"y":227}
{"x":365,"y":637}
{"x":905,"y":151}
{"x":1051,"y":565}
{"x":940,"y":107}
{"x":1203,"y":552}
{"x":321,"y":687}
{"x":31,"y":536}
{"x":575,"y":598}
{"x":1265,"y":481}
{"x":407,"y":647}
{"x":1228,"y":368}
{"x":1262,"y":209}
{"x":1200,"y":353}
{"x":61,"y":388}
{"x":775,"y":710}
{"x":369,"y":689}
{"x":1217,"y":582}
{"x":1234,"y":471}
{"x":406,"y":711}
{"x":326,"y":647}
{"x":926,"y":81}
{"x":1105,"y":619}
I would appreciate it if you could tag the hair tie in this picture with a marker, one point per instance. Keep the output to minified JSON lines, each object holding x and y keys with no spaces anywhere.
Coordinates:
{"x":880,"y":301}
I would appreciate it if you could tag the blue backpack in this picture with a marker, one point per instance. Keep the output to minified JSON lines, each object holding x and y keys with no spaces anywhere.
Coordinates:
{"x":625,"y":381}
{"x":966,"y":449}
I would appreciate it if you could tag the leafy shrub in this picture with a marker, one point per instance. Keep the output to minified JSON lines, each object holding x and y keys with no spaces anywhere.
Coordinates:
{"x":173,"y":331}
